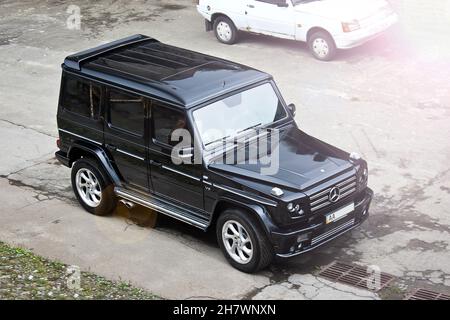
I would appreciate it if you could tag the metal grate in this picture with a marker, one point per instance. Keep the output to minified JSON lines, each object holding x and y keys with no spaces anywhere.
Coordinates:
{"x":357,"y":276}
{"x":423,"y":294}
{"x":321,"y":200}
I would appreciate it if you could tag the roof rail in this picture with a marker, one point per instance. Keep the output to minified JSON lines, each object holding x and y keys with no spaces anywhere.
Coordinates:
{"x":74,"y":61}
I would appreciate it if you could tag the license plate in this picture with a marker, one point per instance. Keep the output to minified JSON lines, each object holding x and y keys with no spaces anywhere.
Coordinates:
{"x":339,"y":214}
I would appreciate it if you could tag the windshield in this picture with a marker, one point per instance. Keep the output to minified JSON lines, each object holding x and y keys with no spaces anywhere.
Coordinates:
{"x":250,"y":109}
{"x":297,"y":2}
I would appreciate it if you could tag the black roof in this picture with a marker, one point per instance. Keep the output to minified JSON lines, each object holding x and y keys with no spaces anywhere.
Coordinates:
{"x":177,"y":75}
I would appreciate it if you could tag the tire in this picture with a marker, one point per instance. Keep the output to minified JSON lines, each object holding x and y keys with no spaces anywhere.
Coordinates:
{"x":98,"y":182}
{"x":322,"y":46}
{"x":261,"y":249}
{"x":225,"y":30}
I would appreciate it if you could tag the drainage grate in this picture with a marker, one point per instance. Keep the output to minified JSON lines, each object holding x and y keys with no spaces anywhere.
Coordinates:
{"x":357,"y":276}
{"x":423,"y":294}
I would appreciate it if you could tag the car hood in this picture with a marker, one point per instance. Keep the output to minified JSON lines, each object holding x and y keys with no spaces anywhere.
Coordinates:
{"x":342,"y":10}
{"x":303,"y":161}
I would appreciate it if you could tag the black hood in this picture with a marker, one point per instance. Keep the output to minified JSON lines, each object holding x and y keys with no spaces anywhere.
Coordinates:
{"x":303,"y":162}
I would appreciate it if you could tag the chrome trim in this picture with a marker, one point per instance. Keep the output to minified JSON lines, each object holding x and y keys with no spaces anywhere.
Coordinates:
{"x":321,"y":199}
{"x":268,"y":202}
{"x":207,"y":183}
{"x":290,"y":255}
{"x":332,"y":232}
{"x":79,"y":136}
{"x":182,"y":173}
{"x":130,"y":154}
{"x":298,"y":231}
{"x":173,"y":214}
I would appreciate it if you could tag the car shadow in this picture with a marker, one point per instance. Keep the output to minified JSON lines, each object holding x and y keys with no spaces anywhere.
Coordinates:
{"x":309,"y":262}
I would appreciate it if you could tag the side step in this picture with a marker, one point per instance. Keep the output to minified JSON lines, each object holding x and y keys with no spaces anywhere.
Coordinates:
{"x":163,"y":206}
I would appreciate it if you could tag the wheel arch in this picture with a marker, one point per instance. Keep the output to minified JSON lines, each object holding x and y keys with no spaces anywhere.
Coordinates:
{"x":80,"y":150}
{"x":216,"y":15}
{"x":313,"y":30}
{"x":256,"y":211}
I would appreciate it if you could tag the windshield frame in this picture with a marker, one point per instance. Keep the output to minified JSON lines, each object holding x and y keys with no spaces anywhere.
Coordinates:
{"x":277,"y":92}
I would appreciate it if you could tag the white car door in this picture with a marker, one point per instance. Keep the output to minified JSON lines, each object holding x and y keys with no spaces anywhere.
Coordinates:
{"x":271,"y":17}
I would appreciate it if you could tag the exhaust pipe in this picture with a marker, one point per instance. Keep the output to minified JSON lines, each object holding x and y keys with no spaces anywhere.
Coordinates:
{"x":128,"y":204}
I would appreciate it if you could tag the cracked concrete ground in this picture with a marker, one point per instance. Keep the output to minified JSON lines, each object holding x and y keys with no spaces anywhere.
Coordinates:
{"x":388,"y":100}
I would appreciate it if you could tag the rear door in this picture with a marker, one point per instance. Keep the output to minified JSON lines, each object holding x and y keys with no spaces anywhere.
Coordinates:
{"x":265,"y":16}
{"x":125,"y":138}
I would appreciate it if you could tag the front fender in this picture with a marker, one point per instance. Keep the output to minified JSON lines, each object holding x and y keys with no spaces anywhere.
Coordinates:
{"x":259,"y":212}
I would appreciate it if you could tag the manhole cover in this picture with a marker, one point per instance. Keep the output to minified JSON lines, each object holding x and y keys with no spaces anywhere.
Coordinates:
{"x":367,"y":278}
{"x":423,"y":294}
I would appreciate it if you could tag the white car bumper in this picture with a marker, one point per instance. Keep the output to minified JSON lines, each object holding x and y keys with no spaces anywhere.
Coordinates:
{"x":366,"y":33}
{"x":204,"y":12}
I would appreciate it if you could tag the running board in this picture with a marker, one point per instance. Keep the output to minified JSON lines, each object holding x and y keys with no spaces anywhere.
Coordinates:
{"x":163,"y":207}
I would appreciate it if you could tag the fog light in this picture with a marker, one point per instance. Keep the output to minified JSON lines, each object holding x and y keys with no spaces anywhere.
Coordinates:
{"x":300,"y":245}
{"x":364,"y":212}
{"x":292,"y":249}
{"x":302,"y":238}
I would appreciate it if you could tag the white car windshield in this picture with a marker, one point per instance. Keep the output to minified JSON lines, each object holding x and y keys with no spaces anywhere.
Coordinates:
{"x":297,"y":2}
{"x":254,"y":108}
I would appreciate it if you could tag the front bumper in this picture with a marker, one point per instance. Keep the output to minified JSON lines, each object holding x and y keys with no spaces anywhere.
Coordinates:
{"x":297,"y":242}
{"x":361,"y":36}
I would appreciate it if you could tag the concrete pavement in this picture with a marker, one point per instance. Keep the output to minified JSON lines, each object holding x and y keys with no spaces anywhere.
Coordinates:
{"x":388,"y":100}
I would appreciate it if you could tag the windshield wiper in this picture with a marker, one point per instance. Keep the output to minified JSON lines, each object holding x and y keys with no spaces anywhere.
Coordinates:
{"x":251,"y":127}
{"x":224,"y":139}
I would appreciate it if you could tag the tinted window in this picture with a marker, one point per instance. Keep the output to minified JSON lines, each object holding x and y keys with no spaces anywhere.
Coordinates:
{"x":126,"y":112}
{"x":81,"y":97}
{"x":165,"y":121}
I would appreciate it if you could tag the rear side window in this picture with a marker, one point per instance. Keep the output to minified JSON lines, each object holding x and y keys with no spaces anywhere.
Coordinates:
{"x":81,"y":97}
{"x":165,"y":122}
{"x":126,"y":112}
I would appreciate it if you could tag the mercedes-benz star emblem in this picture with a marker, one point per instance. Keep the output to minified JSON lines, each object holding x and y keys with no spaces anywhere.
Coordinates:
{"x":334,"y":194}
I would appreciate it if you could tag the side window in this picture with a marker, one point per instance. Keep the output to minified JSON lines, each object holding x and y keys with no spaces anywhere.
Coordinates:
{"x":81,"y":97}
{"x":166,"y":121}
{"x":270,"y":1}
{"x":126,"y":112}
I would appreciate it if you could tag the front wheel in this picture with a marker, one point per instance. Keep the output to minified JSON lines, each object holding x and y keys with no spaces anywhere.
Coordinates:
{"x":242,"y":241}
{"x":322,"y":46}
{"x":225,"y":30}
{"x":92,"y":187}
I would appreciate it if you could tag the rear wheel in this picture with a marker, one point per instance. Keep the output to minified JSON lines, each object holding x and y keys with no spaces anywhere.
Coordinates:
{"x":225,"y":30}
{"x":92,"y":187}
{"x":322,"y":46}
{"x":242,"y":241}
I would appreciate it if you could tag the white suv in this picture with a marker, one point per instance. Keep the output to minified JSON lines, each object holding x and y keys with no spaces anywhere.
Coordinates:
{"x":326,"y":25}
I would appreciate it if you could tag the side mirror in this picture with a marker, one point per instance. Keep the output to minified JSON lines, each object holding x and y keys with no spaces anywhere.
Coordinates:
{"x":282,"y":4}
{"x":293,"y":109}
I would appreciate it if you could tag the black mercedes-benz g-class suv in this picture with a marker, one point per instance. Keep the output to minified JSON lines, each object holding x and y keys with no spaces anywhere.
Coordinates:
{"x":119,"y":107}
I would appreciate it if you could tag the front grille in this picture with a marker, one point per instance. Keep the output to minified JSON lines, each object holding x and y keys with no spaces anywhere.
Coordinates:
{"x":320,"y":199}
{"x":332,"y":232}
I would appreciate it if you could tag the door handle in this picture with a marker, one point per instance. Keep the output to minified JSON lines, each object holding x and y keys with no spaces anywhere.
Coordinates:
{"x":155,"y":163}
{"x":251,"y":6}
{"x":111,"y":147}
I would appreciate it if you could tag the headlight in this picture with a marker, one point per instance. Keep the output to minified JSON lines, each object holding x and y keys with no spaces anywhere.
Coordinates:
{"x":350,"y":26}
{"x":363,"y":177}
{"x":294,"y":209}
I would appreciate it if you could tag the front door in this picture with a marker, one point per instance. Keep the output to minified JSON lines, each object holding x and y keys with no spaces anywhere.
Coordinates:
{"x":177,"y":183}
{"x":268,"y":17}
{"x":125,"y":136}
